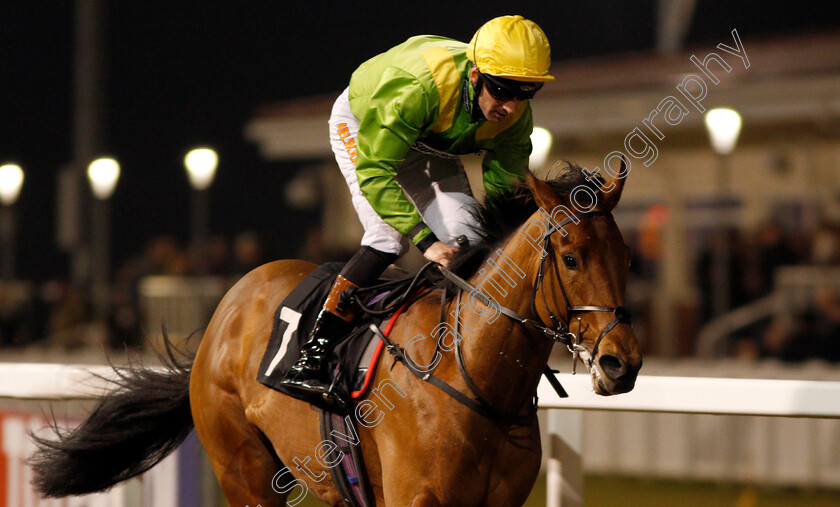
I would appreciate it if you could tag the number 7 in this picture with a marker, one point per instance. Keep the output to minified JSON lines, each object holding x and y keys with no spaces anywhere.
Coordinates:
{"x":291,"y":318}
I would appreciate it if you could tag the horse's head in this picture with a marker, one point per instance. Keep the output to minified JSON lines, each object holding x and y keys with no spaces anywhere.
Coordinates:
{"x":585,"y":274}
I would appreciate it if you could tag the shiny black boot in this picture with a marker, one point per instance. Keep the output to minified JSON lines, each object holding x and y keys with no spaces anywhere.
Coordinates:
{"x":309,"y":374}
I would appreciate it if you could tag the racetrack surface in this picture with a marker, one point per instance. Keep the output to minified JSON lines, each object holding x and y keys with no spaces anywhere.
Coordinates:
{"x":612,"y":491}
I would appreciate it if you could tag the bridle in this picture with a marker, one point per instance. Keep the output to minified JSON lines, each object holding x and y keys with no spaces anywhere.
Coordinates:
{"x":562,"y":333}
{"x":558,"y":332}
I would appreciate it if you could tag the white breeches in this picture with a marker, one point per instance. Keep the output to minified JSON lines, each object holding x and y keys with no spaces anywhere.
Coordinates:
{"x":437,"y":186}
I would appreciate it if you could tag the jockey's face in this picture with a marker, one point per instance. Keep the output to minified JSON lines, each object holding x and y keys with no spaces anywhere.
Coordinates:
{"x":495,"y":110}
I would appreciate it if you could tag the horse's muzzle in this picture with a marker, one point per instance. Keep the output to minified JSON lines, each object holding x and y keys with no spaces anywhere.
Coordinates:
{"x":618,"y":375}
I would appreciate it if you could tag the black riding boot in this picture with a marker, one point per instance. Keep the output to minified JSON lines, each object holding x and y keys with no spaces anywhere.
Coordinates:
{"x":309,"y":374}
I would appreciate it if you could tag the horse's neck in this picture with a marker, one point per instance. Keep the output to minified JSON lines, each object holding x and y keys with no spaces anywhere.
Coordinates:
{"x":501,"y":356}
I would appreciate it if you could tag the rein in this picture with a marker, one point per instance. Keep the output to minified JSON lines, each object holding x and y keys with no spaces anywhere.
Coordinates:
{"x":559,"y":332}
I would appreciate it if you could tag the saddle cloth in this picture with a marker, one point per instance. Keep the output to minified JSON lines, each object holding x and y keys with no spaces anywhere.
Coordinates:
{"x":354,"y":355}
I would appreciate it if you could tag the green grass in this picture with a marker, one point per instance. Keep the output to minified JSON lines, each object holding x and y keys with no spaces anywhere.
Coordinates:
{"x":609,"y":491}
{"x":613,"y":491}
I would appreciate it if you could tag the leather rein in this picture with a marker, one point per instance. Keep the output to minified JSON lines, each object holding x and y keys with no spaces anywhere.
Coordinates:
{"x":559,"y":332}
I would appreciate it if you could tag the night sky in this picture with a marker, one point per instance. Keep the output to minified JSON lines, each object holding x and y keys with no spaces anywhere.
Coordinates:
{"x":177,"y":74}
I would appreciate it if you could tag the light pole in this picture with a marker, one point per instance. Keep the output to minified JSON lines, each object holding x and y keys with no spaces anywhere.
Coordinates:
{"x":723,"y":126}
{"x":102,"y":174}
{"x":11,"y":180}
{"x":201,"y":166}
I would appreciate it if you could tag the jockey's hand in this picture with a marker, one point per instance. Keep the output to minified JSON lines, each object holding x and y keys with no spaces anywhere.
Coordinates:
{"x":441,"y":253}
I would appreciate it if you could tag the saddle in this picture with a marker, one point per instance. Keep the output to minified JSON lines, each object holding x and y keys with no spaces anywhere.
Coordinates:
{"x":355,"y":355}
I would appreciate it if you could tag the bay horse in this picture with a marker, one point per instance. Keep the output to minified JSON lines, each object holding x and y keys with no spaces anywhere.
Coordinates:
{"x":543,"y":254}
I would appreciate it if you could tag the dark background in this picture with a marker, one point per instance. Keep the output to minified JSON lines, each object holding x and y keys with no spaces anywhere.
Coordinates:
{"x":178,"y":74}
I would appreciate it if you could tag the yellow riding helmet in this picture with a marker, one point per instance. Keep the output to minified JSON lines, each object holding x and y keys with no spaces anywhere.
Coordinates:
{"x":511,"y":47}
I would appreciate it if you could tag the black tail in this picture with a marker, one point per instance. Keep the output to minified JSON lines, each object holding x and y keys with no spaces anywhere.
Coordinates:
{"x":131,"y":429}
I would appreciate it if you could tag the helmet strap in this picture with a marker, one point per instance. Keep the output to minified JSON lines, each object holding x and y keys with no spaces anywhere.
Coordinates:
{"x":476,"y":112}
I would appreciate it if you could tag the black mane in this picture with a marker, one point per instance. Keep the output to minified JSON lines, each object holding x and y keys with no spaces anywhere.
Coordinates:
{"x":503,"y":213}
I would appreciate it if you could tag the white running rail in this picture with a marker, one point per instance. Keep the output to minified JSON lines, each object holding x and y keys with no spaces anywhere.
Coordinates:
{"x":652,"y":394}
{"x":659,"y":394}
{"x":47,"y":381}
{"x":163,"y":486}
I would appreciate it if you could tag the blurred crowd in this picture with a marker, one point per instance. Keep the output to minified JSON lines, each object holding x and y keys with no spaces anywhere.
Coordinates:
{"x":59,"y":313}
{"x":794,"y":333}
{"x":798,"y":332}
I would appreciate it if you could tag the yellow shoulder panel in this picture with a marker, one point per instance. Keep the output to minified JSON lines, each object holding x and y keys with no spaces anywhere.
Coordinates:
{"x":448,"y":83}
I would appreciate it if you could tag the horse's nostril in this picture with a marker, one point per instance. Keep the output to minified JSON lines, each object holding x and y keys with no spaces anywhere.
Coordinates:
{"x":612,"y":366}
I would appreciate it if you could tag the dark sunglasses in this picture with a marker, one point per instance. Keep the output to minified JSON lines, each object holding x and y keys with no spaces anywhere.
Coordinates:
{"x":508,"y":89}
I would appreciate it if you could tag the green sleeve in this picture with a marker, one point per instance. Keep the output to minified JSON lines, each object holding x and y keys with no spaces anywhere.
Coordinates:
{"x":395,"y":115}
{"x":507,"y":163}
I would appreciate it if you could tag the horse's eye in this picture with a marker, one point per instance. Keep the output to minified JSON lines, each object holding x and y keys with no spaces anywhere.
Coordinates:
{"x":570,"y":262}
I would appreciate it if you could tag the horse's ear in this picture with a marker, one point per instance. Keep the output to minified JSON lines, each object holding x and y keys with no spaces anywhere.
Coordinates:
{"x":544,"y":195}
{"x":612,"y":188}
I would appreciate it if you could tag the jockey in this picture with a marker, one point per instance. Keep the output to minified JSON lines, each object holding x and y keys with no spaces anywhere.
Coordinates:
{"x":397,"y":131}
